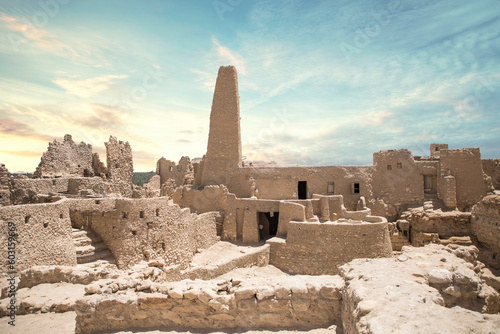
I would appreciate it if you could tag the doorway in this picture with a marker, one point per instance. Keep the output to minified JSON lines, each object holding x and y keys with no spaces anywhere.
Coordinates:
{"x":268,"y":224}
{"x":430,"y":184}
{"x":302,"y":189}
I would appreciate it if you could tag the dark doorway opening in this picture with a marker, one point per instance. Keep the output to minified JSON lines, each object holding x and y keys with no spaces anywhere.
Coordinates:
{"x":268,"y":224}
{"x":430,"y":184}
{"x":302,"y":189}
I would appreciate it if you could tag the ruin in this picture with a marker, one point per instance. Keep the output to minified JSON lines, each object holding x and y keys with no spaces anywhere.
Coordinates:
{"x":406,"y":243}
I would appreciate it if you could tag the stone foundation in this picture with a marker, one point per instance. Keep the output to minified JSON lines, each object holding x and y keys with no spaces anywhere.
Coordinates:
{"x":295,"y":301}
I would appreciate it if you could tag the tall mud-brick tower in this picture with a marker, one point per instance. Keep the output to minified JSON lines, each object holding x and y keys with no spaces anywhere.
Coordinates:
{"x":224,"y":139}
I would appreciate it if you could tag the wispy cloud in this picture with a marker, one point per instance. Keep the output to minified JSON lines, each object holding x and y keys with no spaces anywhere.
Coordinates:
{"x":21,"y":34}
{"x":89,"y":87}
{"x":224,"y":54}
{"x":31,"y":154}
{"x":10,"y":127}
{"x":101,"y":117}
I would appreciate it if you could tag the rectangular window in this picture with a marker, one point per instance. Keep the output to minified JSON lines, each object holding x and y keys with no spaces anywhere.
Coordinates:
{"x":400,"y":165}
{"x":389,"y":167}
{"x":330,"y":189}
{"x":355,"y":188}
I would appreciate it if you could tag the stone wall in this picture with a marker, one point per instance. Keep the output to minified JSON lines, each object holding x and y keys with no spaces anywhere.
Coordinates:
{"x":89,"y":185}
{"x":491,"y":167}
{"x":143,"y":229}
{"x":5,"y":186}
{"x":485,"y":225}
{"x":98,"y":166}
{"x":43,"y":235}
{"x":289,"y":301}
{"x":26,"y":190}
{"x":182,"y":173}
{"x":435,"y":225}
{"x":65,"y":159}
{"x":120,"y":165}
{"x":313,"y":248}
{"x":465,"y":166}
{"x":282,"y":182}
{"x":210,"y":198}
{"x":397,"y":179}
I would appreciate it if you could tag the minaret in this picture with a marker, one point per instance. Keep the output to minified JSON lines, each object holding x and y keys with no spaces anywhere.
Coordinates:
{"x":224,"y":139}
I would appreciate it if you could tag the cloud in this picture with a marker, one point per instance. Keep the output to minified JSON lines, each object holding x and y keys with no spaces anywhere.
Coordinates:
{"x":102,"y":117}
{"x":87,"y":87}
{"x":227,"y":55}
{"x":23,"y":33}
{"x":10,"y":127}
{"x":22,"y":153}
{"x":183,"y":141}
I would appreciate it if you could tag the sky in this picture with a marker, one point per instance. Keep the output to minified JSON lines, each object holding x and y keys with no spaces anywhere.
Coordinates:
{"x":320,"y":82}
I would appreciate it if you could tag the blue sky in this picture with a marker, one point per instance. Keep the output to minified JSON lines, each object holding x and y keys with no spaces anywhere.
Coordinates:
{"x":320,"y":82}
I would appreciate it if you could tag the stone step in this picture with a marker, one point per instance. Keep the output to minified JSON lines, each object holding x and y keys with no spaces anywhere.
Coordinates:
{"x":89,"y":249}
{"x":83,"y":241}
{"x":78,"y":234}
{"x":100,"y":262}
{"x":94,"y":256}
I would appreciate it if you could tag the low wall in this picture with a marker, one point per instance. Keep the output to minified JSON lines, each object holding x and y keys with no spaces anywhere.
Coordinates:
{"x":43,"y":236}
{"x":444,"y":224}
{"x":95,"y":184}
{"x":149,"y":228}
{"x":210,"y":198}
{"x":291,"y":301}
{"x":24,"y":191}
{"x":321,"y":248}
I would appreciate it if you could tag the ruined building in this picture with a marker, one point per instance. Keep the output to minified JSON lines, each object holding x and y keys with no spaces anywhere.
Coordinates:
{"x":327,"y":246}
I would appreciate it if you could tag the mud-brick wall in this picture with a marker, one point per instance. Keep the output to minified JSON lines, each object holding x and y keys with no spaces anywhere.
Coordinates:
{"x":24,"y":191}
{"x":43,"y":235}
{"x":485,"y":225}
{"x":491,"y":167}
{"x":465,"y":165}
{"x":294,"y":301}
{"x":321,"y":248}
{"x":143,"y":229}
{"x":444,"y":224}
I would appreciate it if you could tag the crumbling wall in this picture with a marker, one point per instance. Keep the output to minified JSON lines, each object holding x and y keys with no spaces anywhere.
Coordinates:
{"x":143,"y":229}
{"x":65,"y":159}
{"x":210,"y":198}
{"x":89,"y":186}
{"x":42,"y":235}
{"x":397,"y":179}
{"x":182,"y":173}
{"x":27,"y":190}
{"x":465,"y":166}
{"x":120,"y":166}
{"x":485,"y":225}
{"x":5,"y":186}
{"x":313,"y":248}
{"x":436,"y":149}
{"x":98,"y":166}
{"x":287,"y":302}
{"x":432,"y":226}
{"x":491,"y":167}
